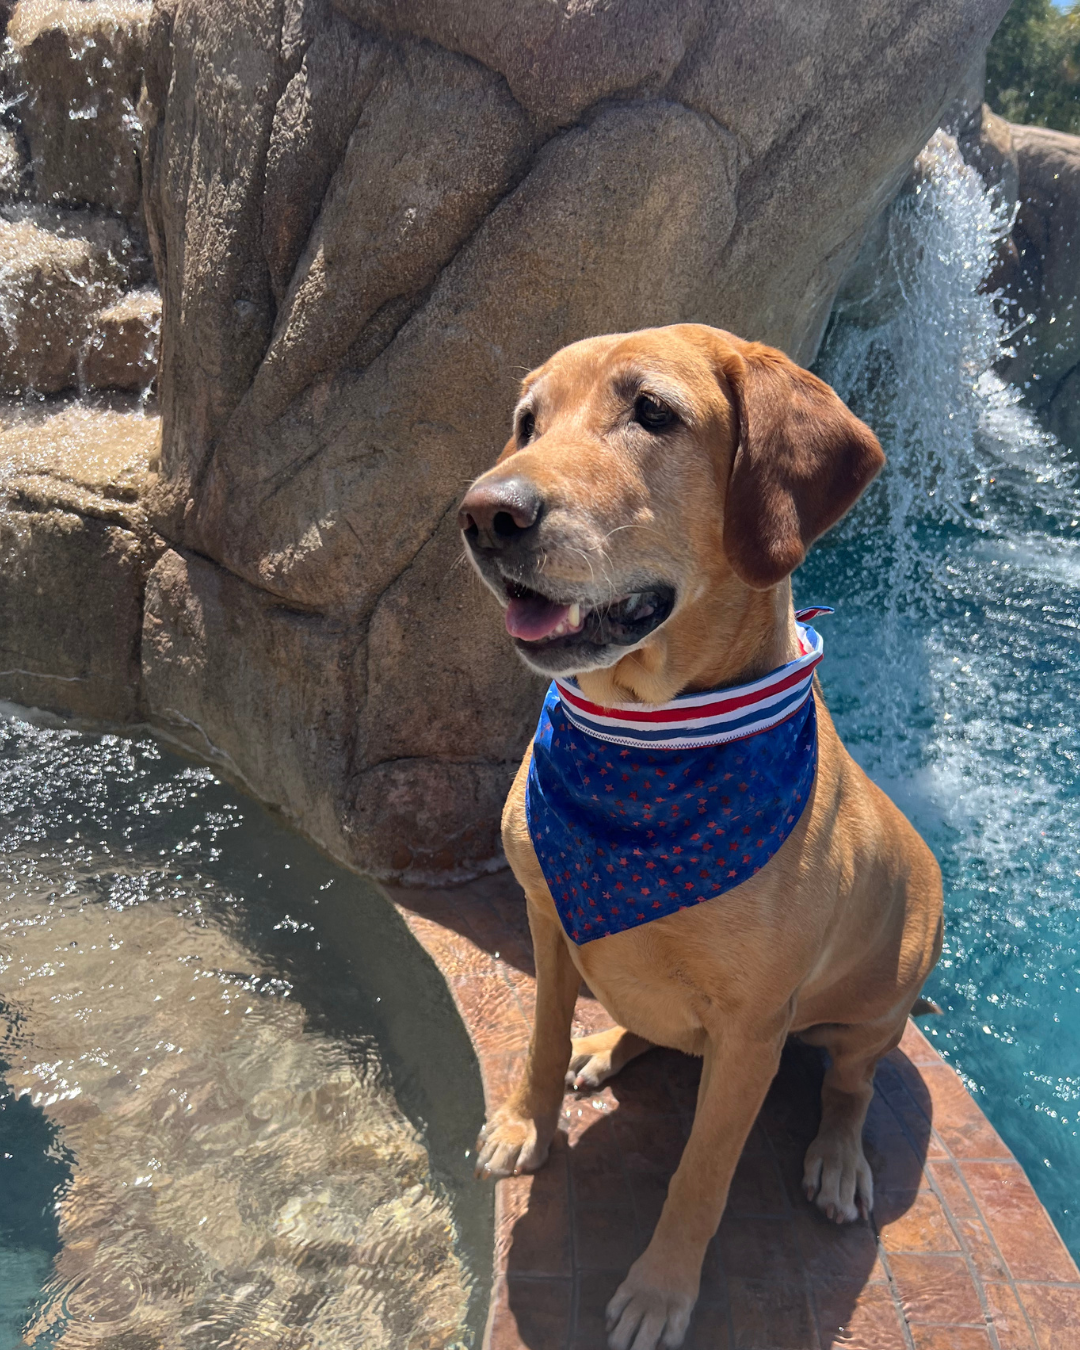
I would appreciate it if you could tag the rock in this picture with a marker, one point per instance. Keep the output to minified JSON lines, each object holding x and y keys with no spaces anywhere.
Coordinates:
{"x":57,"y":270}
{"x":313,"y":121}
{"x":1043,"y":283}
{"x":122,"y":351}
{"x":556,"y":60}
{"x":369,"y":218}
{"x":213,"y":650}
{"x":437,"y":143}
{"x":74,"y":553}
{"x":78,"y":64}
{"x":986,"y":143}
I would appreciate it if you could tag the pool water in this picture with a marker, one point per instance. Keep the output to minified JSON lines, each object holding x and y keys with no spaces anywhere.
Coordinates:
{"x":237,"y":1100}
{"x":952,"y":665}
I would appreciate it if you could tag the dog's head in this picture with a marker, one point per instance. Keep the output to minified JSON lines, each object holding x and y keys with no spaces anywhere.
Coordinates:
{"x":650,"y":474}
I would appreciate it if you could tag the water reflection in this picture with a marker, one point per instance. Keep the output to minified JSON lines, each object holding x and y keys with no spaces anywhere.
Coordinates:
{"x":194,"y":1025}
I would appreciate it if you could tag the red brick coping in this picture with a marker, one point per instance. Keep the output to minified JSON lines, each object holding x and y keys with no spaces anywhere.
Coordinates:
{"x":961,"y":1254}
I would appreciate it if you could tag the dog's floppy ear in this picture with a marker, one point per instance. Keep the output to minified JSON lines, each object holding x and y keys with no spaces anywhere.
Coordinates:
{"x":802,"y":459}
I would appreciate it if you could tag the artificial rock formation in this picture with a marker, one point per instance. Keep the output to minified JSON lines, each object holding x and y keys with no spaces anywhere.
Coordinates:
{"x":58,"y":269}
{"x":76,"y":309}
{"x":368,"y":220}
{"x":1042,"y":278}
{"x":77,"y":73}
{"x":75,"y":550}
{"x":77,"y":312}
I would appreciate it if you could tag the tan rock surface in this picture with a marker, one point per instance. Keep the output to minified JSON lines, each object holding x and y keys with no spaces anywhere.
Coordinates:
{"x":74,"y":553}
{"x":122,"y":349}
{"x":78,"y":68}
{"x":411,"y":205}
{"x":215,"y":654}
{"x":986,"y":143}
{"x":1043,"y":283}
{"x":57,"y":270}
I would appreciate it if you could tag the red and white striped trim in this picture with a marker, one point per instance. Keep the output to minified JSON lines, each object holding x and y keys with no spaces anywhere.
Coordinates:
{"x":695,"y":720}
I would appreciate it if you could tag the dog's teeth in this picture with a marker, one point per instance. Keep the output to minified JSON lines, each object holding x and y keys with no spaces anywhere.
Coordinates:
{"x":573,"y":617}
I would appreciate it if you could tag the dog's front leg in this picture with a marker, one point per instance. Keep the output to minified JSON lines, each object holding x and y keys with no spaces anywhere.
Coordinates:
{"x":653,"y":1304}
{"x":516,"y":1138}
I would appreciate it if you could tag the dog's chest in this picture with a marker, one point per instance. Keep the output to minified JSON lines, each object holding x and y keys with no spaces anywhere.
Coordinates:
{"x":642,"y":993}
{"x":626,"y":836}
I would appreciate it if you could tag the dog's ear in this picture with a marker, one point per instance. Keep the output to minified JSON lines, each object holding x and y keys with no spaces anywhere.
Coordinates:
{"x":802,"y":459}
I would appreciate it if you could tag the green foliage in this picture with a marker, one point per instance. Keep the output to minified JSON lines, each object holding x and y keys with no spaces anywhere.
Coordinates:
{"x":1033,"y":65}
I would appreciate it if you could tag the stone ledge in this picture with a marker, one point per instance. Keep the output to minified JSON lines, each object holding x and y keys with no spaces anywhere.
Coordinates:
{"x":74,"y":552}
{"x":961,"y":1254}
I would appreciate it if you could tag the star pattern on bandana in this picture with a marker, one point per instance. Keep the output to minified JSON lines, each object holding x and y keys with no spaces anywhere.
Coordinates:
{"x":624,"y":836}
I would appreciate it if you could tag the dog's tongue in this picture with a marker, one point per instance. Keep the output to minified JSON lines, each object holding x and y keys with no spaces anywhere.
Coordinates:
{"x":533,"y":618}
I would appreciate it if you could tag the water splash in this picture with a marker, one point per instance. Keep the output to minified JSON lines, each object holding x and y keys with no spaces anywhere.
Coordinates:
{"x":952,"y":665}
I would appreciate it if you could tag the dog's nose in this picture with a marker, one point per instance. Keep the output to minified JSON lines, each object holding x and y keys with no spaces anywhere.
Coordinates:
{"x":494,"y":515}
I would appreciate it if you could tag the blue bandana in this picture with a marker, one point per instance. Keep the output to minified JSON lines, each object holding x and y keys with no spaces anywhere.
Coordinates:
{"x":640,"y":810}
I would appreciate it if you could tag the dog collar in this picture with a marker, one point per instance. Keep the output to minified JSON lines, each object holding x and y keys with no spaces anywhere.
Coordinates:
{"x":712,"y":718}
{"x":638,"y":811}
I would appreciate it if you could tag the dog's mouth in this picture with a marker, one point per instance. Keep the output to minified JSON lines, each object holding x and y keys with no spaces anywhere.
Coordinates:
{"x":540,"y":623}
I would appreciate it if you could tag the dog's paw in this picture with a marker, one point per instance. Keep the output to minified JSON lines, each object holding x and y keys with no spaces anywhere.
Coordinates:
{"x":837,"y":1177}
{"x":589,"y":1068}
{"x":647,"y":1312}
{"x":595,"y":1059}
{"x":510,"y":1144}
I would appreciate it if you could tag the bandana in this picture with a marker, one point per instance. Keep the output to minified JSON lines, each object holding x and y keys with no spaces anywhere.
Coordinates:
{"x":639,"y":810}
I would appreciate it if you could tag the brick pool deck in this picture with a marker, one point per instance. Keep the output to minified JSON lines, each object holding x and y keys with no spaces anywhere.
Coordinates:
{"x":961,"y":1254}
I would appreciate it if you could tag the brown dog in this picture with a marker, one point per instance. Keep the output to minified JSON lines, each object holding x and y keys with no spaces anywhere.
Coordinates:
{"x":641,"y":527}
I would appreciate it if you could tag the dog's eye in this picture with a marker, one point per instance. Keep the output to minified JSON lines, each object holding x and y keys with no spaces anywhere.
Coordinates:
{"x":652,"y":414}
{"x":525,"y":428}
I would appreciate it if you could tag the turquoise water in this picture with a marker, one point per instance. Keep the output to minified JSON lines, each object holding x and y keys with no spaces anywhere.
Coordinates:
{"x":952,"y":667}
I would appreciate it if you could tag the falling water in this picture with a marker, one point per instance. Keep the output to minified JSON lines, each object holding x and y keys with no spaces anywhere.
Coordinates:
{"x":951,"y":663}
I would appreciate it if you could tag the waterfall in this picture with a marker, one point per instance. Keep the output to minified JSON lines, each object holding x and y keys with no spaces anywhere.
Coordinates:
{"x":951,"y":664}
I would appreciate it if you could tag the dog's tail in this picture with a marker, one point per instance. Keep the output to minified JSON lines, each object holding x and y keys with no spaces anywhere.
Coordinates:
{"x":923,"y":1007}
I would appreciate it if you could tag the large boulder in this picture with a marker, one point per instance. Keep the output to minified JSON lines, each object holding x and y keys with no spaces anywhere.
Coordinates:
{"x":1042,"y":280}
{"x":369,"y":218}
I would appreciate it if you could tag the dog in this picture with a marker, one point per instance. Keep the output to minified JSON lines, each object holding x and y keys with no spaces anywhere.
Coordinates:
{"x":640,"y":529}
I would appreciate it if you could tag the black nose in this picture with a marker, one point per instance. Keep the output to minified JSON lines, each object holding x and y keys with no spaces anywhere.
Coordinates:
{"x":494,"y":515}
